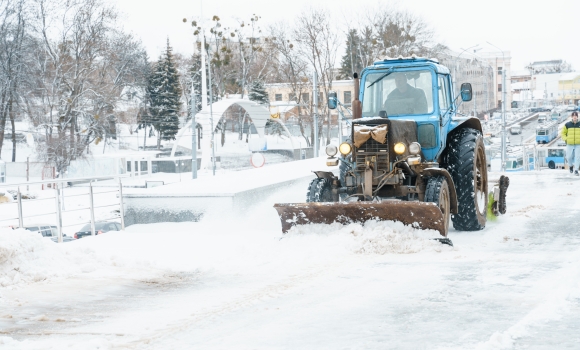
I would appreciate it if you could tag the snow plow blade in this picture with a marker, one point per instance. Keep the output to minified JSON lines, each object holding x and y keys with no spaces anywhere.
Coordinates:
{"x":422,"y":215}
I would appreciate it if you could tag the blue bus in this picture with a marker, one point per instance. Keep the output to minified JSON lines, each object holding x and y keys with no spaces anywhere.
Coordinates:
{"x":553,"y":157}
{"x":558,"y":117}
{"x":547,"y":132}
{"x":515,"y":161}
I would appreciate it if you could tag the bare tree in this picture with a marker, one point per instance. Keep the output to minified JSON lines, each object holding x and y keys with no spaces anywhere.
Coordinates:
{"x":291,"y":69}
{"x":12,"y":38}
{"x":318,"y":43}
{"x":84,"y":62}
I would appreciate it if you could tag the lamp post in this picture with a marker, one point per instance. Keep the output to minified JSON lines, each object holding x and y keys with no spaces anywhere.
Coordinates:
{"x":481,"y":62}
{"x":203,"y":69}
{"x":455,"y":65}
{"x":503,"y":88}
{"x":193,"y":135}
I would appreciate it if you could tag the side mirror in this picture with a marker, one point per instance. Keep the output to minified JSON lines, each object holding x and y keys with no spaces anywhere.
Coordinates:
{"x":466,"y":92}
{"x":332,"y":100}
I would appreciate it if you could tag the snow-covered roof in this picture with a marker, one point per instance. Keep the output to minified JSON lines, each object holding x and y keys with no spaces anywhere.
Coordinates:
{"x":570,"y":76}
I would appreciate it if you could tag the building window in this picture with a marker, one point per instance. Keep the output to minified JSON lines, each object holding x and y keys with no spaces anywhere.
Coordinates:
{"x":278,"y":97}
{"x":305,"y":97}
{"x":347,"y":97}
{"x":498,"y":87}
{"x":291,"y":96}
{"x":499,"y":70}
{"x":321,"y":98}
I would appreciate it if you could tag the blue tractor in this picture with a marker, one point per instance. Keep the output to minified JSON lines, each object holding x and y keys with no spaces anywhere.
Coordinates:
{"x":410,"y":156}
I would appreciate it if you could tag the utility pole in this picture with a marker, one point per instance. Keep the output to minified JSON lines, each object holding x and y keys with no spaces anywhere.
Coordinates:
{"x":315,"y":114}
{"x":211,"y":122}
{"x":503,"y":101}
{"x":193,"y":135}
{"x":204,"y":89}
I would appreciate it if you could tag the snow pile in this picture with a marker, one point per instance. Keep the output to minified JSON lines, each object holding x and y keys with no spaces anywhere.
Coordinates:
{"x":377,"y":237}
{"x":27,"y":257}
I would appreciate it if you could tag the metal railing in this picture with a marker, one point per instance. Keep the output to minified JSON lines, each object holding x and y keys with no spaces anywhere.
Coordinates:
{"x":59,"y":195}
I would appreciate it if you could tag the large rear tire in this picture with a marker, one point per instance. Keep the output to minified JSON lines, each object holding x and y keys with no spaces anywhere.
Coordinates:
{"x":466,"y":163}
{"x":437,"y":191}
{"x":319,"y":190}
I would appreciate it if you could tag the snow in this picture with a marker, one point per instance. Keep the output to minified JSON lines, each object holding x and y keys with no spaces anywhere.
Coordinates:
{"x":234,"y":281}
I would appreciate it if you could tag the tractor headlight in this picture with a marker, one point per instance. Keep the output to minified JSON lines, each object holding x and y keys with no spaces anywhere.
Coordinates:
{"x":400,"y":148}
{"x":345,"y":148}
{"x":331,"y":150}
{"x":414,"y":148}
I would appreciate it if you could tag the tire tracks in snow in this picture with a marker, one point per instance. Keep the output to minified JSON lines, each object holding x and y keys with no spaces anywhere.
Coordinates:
{"x":271,"y":290}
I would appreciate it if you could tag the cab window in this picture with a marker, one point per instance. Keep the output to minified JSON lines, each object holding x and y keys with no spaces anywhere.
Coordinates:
{"x":398,"y":93}
{"x":443,"y":89}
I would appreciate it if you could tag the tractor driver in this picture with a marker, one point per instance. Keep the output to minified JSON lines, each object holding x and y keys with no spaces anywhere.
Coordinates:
{"x":405,"y":99}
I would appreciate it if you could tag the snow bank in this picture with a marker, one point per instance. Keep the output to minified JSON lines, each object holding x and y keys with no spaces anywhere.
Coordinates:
{"x":376,"y":237}
{"x":148,"y":250}
{"x":27,"y":257}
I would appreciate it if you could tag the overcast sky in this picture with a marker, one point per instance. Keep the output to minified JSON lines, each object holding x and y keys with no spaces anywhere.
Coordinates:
{"x":529,"y":30}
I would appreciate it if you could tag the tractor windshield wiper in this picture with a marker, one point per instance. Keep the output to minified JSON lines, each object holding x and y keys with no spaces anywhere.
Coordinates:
{"x":381,"y":77}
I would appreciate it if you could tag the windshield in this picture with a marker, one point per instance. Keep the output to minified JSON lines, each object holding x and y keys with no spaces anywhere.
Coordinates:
{"x":398,"y":93}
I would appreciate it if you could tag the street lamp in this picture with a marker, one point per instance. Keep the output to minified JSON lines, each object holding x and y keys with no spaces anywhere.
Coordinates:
{"x":503,"y":100}
{"x":481,"y":62}
{"x":204,"y":69}
{"x":455,"y":65}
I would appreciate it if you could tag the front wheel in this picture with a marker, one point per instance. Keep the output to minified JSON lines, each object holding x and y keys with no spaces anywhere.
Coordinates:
{"x":437,"y":191}
{"x":319,"y":190}
{"x":466,"y":164}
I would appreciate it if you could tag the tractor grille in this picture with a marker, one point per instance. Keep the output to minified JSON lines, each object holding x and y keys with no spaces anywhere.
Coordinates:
{"x":373,"y":148}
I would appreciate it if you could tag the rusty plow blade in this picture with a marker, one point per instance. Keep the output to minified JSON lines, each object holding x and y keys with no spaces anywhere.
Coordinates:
{"x":420,"y":215}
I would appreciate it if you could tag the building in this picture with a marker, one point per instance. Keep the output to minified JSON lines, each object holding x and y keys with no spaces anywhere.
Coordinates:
{"x":299,"y":98}
{"x":569,"y":88}
{"x":549,"y":67}
{"x":484,"y":72}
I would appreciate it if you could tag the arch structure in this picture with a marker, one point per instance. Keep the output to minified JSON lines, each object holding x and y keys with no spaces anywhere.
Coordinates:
{"x":259,"y":114}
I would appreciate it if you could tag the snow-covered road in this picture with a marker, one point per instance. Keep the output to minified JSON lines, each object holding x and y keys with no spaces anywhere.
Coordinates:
{"x":238,"y":283}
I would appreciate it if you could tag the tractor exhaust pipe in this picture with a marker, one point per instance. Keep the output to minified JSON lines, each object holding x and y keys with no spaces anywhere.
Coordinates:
{"x":356,"y":104}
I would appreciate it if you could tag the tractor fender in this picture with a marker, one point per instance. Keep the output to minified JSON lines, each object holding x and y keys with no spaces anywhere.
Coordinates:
{"x":452,"y":191}
{"x":469,"y":122}
{"x":324,"y":174}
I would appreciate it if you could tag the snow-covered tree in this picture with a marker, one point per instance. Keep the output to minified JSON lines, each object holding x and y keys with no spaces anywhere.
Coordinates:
{"x":258,"y":93}
{"x":164,"y":94}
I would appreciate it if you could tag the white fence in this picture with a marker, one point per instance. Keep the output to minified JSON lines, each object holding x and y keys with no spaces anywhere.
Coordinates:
{"x":27,"y":207}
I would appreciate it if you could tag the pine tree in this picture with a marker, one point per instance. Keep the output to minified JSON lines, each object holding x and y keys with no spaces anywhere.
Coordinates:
{"x":258,"y":93}
{"x":164,"y":92}
{"x":351,"y":61}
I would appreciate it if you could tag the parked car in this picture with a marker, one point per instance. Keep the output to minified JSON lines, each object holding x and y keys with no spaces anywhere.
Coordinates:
{"x":542,"y":117}
{"x":516,"y":129}
{"x":47,"y":230}
{"x":100,"y":227}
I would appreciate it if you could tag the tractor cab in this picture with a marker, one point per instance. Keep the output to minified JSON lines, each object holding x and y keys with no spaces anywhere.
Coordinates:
{"x":413,"y":88}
